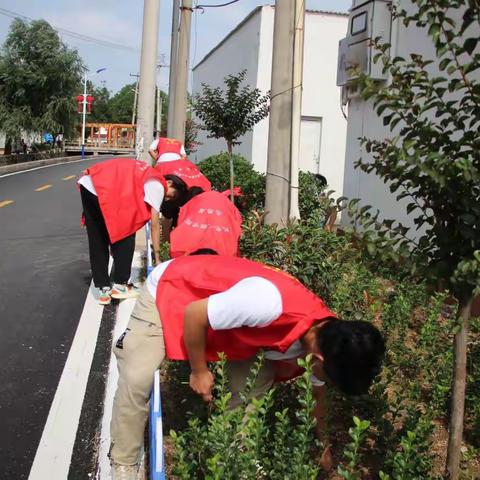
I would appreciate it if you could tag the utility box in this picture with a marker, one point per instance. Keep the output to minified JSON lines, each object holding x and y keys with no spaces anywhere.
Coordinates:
{"x":368,"y":20}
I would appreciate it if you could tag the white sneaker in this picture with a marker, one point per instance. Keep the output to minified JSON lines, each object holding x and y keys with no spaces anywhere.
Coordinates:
{"x":121,"y":291}
{"x":124,"y":472}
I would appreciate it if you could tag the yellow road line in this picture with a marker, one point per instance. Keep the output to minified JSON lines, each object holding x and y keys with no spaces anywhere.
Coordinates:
{"x":43,"y":187}
{"x":69,"y":177}
{"x":5,"y":203}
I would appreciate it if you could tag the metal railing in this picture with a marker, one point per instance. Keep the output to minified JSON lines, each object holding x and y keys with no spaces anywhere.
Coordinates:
{"x":157,"y":456}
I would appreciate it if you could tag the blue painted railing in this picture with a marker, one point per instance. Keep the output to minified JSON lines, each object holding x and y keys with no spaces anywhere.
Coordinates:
{"x":157,"y":457}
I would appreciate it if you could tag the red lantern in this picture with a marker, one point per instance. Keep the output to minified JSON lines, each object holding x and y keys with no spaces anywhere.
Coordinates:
{"x":90,"y":100}
{"x":80,"y":103}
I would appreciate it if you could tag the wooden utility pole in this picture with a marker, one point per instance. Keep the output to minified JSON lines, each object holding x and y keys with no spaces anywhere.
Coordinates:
{"x":181,"y":76}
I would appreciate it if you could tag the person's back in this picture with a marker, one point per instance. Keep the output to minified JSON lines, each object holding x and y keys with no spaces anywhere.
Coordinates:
{"x":209,"y":220}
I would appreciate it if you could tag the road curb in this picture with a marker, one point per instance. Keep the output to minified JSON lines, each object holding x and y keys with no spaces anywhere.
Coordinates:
{"x":19,"y":167}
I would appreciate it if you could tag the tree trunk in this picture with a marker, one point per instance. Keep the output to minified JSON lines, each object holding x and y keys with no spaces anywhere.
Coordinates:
{"x":8,"y":146}
{"x":458,"y":396}
{"x":232,"y":173}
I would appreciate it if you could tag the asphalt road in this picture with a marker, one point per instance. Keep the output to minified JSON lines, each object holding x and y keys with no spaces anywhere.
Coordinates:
{"x":44,"y":279}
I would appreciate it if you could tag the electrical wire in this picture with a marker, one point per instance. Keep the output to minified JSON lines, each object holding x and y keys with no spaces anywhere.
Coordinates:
{"x":78,"y":36}
{"x":217,"y":5}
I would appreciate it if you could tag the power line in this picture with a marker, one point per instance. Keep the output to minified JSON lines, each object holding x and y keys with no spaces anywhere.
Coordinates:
{"x":79,"y":36}
{"x":217,"y":5}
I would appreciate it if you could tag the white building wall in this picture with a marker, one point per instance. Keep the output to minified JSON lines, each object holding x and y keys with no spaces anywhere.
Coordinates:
{"x":251,"y":47}
{"x":239,"y":51}
{"x":364,"y":122}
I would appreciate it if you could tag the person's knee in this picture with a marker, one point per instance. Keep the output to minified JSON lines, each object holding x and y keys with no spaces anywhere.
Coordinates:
{"x":137,"y":382}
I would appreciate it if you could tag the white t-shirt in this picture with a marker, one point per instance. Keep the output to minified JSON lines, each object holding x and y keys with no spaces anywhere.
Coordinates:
{"x":153,"y":189}
{"x":252,"y":302}
{"x":167,"y":157}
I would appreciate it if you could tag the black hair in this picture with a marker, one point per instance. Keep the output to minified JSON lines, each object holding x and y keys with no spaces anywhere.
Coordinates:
{"x":321,"y":180}
{"x":204,"y":251}
{"x":353,"y":352}
{"x":192,"y":192}
{"x":178,"y":184}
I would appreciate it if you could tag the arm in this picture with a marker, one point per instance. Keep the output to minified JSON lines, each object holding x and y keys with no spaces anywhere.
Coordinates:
{"x":153,"y":154}
{"x":321,"y":428}
{"x":155,"y":234}
{"x":195,"y":337}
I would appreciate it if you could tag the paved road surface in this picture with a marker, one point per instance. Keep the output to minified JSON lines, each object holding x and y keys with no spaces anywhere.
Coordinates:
{"x":44,"y":277}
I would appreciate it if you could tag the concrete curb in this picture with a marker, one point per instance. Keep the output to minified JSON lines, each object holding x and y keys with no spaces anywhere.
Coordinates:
{"x":19,"y":167}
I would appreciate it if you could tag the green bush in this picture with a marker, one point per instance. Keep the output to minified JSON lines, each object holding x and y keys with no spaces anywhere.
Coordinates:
{"x":217,"y":169}
{"x":313,"y":200}
{"x":242,"y":444}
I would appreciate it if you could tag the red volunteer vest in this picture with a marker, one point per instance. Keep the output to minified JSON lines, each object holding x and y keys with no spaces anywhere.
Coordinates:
{"x":209,"y":220}
{"x":187,"y":171}
{"x":187,"y":279}
{"x":169,"y":145}
{"x":119,"y":184}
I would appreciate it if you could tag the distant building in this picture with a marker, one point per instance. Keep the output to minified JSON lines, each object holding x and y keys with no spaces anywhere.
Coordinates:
{"x":249,"y":46}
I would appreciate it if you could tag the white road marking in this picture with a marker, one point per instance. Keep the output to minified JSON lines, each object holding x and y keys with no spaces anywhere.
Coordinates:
{"x":123,"y":315}
{"x":52,"y":460}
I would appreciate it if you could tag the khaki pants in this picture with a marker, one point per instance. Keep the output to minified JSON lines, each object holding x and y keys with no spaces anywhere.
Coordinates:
{"x":141,"y":353}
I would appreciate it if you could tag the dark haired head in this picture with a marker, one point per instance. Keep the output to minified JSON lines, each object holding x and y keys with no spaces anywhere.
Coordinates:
{"x":192,"y":192}
{"x":321,"y":180}
{"x":204,"y":251}
{"x":178,"y":184}
{"x":352,"y":353}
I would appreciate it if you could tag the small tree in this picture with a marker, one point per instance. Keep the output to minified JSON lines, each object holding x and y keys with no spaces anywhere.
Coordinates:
{"x":433,"y":159}
{"x":231,"y":112}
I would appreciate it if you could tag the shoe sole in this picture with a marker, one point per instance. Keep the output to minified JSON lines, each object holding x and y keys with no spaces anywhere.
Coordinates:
{"x":105,"y":302}
{"x":123,"y":296}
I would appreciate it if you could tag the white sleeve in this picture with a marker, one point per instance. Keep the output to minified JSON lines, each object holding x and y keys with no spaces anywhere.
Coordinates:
{"x":154,"y":145}
{"x":252,"y":302}
{"x":154,"y":193}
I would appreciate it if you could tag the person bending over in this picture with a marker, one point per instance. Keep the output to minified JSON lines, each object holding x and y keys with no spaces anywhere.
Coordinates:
{"x":209,"y":220}
{"x":119,"y":196}
{"x":195,"y":306}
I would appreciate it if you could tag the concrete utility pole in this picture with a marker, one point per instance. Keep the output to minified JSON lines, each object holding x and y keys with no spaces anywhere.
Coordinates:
{"x":159,"y":111}
{"x":135,"y":98}
{"x":173,"y":65}
{"x":277,"y":203}
{"x":181,"y":80}
{"x":297,"y":105}
{"x":146,"y":87}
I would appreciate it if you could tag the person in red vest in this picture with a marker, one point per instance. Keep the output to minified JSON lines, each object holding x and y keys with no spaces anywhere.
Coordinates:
{"x":193,"y":307}
{"x":165,"y":149}
{"x":119,"y":196}
{"x":209,"y":220}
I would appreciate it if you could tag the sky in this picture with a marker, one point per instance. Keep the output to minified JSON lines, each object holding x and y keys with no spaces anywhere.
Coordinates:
{"x":120,"y":22}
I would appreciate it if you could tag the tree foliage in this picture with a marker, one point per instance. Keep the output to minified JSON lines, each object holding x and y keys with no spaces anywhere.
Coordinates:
{"x":432,"y":156}
{"x":231,"y":112}
{"x":432,"y":159}
{"x":39,"y":78}
{"x":101,"y":104}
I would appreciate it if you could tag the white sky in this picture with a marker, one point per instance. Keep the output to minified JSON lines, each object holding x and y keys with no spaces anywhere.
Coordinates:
{"x":120,"y":21}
